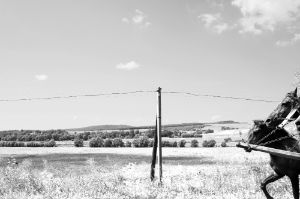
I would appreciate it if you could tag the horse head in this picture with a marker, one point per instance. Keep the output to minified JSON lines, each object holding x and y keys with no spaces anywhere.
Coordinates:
{"x":260,"y":134}
{"x":290,"y":101}
{"x":262,"y":128}
{"x":257,"y":132}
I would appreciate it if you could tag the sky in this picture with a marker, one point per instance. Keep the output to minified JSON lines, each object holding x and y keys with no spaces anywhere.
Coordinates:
{"x":239,"y":48}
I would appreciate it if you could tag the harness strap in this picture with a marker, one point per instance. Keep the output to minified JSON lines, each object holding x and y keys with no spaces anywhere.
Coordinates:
{"x":291,"y":116}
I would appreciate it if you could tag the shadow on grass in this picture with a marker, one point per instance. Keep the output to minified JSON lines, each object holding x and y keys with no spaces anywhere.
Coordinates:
{"x":106,"y":160}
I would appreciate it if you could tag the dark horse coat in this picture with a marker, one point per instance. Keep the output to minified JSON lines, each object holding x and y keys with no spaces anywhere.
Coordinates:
{"x":269,"y":132}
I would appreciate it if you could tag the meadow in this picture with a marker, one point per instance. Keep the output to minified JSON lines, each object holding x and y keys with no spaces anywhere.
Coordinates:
{"x":88,"y":173}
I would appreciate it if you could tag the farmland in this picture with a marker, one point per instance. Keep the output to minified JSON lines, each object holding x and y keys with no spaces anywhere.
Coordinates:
{"x":68,"y":172}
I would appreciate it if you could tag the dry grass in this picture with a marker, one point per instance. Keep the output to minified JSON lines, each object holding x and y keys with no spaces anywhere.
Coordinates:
{"x":216,"y":173}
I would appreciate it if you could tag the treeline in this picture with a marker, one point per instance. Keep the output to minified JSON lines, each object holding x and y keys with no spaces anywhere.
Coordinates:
{"x":144,"y":141}
{"x":50,"y":143}
{"x":132,"y":134}
{"x":63,"y":135}
{"x":35,"y":135}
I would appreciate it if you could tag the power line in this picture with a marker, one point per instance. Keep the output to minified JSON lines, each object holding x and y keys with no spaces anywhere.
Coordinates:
{"x":135,"y":92}
{"x":219,"y":96}
{"x":74,"y":96}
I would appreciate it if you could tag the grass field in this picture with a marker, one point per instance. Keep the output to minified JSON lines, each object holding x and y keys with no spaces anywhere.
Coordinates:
{"x":66,"y":172}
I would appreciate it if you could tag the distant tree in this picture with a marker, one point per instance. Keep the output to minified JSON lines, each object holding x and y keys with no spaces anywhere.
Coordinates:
{"x":96,"y":142}
{"x":85,"y":136}
{"x":209,"y":143}
{"x":167,"y":133}
{"x":117,"y":142}
{"x":224,"y":144}
{"x":187,"y":135}
{"x":209,"y":131}
{"x":50,"y":143}
{"x":151,"y":142}
{"x":137,"y":132}
{"x":136,"y":143}
{"x":197,"y":135}
{"x":78,"y":142}
{"x":127,"y":144}
{"x":174,"y":144}
{"x":194,"y":143}
{"x":166,"y":143}
{"x":131,"y":134}
{"x":149,"y":133}
{"x":144,"y":141}
{"x":181,"y":143}
{"x":108,"y":143}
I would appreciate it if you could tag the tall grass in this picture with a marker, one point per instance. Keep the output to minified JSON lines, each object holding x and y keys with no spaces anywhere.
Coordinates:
{"x":230,"y":179}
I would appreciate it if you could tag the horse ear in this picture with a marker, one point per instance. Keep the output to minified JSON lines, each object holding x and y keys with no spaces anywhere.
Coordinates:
{"x":295,"y":92}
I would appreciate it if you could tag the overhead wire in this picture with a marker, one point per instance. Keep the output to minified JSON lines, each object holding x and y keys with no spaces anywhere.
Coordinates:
{"x":220,"y":96}
{"x":135,"y":92}
{"x":74,"y":96}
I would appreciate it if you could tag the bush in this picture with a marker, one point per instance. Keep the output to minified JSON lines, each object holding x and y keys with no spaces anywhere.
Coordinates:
{"x":151,"y":143}
{"x":187,"y":135}
{"x":209,"y":131}
{"x":181,"y":143}
{"x":174,"y":144}
{"x":35,"y":144}
{"x":197,"y":135}
{"x":136,"y":143}
{"x":51,"y":143}
{"x":144,"y":141}
{"x":165,"y":144}
{"x":194,"y":143}
{"x":209,"y":143}
{"x":141,"y":142}
{"x":169,"y":144}
{"x":78,"y":142}
{"x":224,"y":144}
{"x":127,"y":144}
{"x":108,"y":143}
{"x":12,"y":144}
{"x":96,"y":142}
{"x":117,"y":142}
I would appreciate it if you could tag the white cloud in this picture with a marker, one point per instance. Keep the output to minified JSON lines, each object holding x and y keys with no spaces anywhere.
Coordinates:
{"x":214,"y":22}
{"x":41,"y":77}
{"x":266,"y":15}
{"x":290,"y":42}
{"x":219,"y":28}
{"x":208,"y":19}
{"x":139,"y":19}
{"x":128,"y":66}
{"x":125,"y":20}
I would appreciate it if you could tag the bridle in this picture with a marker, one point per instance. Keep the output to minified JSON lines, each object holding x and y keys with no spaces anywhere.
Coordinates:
{"x":292,"y":116}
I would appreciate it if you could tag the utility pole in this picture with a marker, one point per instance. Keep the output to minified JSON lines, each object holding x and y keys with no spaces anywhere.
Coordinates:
{"x":159,"y":133}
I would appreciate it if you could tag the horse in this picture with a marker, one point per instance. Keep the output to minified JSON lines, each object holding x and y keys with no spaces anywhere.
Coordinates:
{"x":274,"y":136}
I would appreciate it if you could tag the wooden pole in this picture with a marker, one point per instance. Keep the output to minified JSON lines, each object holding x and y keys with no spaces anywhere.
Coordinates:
{"x":154,"y":152}
{"x":159,"y":133}
{"x":276,"y":152}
